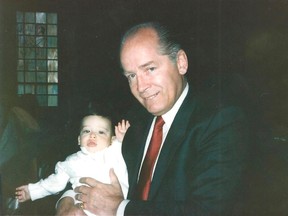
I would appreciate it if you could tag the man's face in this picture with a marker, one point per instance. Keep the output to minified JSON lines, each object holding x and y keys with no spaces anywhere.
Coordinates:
{"x":154,"y":79}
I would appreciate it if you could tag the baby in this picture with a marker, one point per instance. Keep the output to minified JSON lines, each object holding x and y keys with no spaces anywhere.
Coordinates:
{"x":96,"y":158}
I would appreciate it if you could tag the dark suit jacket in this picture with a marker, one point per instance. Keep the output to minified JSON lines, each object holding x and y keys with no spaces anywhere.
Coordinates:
{"x":200,"y":167}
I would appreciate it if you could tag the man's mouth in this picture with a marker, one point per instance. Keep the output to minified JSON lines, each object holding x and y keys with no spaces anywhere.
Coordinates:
{"x":151,"y":96}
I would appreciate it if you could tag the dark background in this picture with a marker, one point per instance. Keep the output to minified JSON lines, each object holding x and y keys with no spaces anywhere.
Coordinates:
{"x":240,"y":47}
{"x":245,"y":38}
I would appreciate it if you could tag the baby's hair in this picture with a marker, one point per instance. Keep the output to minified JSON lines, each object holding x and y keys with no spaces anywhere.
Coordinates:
{"x":102,"y":109}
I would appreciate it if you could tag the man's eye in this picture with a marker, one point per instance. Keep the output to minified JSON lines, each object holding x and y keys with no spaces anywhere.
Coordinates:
{"x":151,"y":69}
{"x":131,"y":76}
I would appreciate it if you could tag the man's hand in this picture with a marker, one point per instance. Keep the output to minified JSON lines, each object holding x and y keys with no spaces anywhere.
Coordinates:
{"x":66,"y":207}
{"x":100,"y":198}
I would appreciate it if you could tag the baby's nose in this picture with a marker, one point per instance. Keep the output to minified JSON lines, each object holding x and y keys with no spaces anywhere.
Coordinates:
{"x":93,"y":134}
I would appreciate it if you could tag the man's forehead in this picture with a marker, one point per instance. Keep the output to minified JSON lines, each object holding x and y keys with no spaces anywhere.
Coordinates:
{"x":138,"y":47}
{"x":139,"y":37}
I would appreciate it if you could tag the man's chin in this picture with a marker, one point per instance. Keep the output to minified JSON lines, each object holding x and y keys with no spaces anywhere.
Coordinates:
{"x":153,"y":107}
{"x":154,"y":111}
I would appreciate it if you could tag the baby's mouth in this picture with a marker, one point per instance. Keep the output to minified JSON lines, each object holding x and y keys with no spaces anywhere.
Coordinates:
{"x":91,"y":143}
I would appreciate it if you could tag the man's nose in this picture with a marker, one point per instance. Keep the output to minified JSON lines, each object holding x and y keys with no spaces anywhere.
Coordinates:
{"x":142,"y":83}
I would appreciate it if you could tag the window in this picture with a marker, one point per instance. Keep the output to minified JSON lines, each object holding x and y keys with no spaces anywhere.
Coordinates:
{"x":37,"y":67}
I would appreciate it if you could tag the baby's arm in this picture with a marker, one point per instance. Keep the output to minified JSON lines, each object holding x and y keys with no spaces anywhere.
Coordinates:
{"x":22,"y":193}
{"x":121,"y":129}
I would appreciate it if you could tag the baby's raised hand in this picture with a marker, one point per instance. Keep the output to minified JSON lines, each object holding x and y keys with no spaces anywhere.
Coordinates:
{"x":121,"y":129}
{"x":22,"y":193}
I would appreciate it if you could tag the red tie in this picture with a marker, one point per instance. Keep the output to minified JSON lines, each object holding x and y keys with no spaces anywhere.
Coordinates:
{"x":144,"y":182}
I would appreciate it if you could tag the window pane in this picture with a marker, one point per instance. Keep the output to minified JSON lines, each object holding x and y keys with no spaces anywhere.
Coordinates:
{"x":52,"y":65}
{"x":20,"y":89}
{"x":30,"y":77}
{"x":52,"y":30}
{"x":41,"y":77}
{"x":41,"y":41}
{"x":30,"y":29}
{"x":29,"y":17}
{"x":42,"y":100}
{"x":30,"y":65}
{"x":41,"y":65}
{"x":20,"y":65}
{"x":20,"y":77}
{"x":19,"y":16}
{"x":21,"y":53}
{"x":52,"y":18}
{"x":20,"y":28}
{"x":41,"y":53}
{"x":41,"y":30}
{"x":29,"y":89}
{"x":52,"y":89}
{"x":29,"y":41}
{"x":52,"y":42}
{"x":52,"y":53}
{"x":29,"y":53}
{"x":21,"y":40}
{"x":53,"y":77}
{"x":52,"y":101}
{"x":42,"y":89}
{"x":40,"y":17}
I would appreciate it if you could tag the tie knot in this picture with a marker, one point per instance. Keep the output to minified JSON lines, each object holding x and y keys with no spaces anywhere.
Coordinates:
{"x":159,"y":122}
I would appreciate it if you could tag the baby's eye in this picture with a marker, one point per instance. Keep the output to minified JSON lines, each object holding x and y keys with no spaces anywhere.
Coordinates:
{"x":101,"y":132}
{"x":85,"y":131}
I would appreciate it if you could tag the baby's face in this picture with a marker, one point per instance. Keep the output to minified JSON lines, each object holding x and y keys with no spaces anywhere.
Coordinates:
{"x":95,"y":134}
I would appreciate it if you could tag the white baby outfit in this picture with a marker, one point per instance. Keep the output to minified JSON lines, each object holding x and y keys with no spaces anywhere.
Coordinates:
{"x":83,"y":164}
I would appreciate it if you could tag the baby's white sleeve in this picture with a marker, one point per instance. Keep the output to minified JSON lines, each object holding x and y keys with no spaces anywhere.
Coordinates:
{"x":52,"y":185}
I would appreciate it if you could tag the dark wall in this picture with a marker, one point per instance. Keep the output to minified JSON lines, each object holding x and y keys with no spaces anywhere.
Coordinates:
{"x":242,"y":42}
{"x":247,"y":38}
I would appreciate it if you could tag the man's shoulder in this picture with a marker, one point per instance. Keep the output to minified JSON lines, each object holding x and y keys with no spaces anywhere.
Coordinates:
{"x":202,"y":105}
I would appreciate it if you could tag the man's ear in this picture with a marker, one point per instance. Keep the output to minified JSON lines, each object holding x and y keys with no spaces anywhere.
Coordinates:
{"x":182,"y":62}
{"x":78,"y":140}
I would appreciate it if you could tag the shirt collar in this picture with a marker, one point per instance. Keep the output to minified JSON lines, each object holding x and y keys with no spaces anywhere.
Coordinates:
{"x":92,"y":155}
